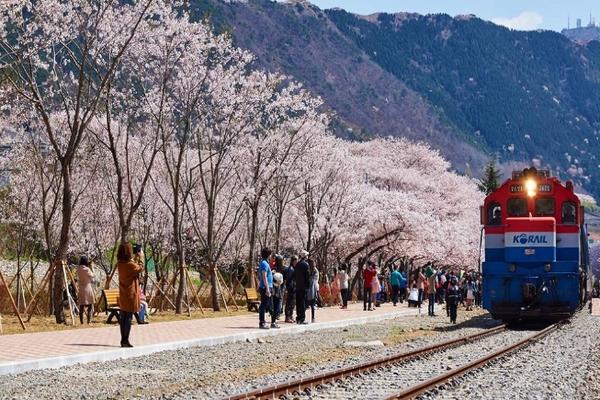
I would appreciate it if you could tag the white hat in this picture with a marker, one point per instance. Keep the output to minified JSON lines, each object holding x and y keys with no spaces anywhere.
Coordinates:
{"x":304,"y":254}
{"x":277,"y":279}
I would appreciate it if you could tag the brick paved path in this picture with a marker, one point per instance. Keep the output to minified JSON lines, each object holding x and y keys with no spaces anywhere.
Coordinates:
{"x":28,"y":351}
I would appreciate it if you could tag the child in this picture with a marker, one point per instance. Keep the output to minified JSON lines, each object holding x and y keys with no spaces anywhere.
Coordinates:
{"x":413,"y":297}
{"x":143,"y":313}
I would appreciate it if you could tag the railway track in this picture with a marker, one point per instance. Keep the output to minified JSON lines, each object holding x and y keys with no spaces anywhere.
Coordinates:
{"x":340,"y":383}
{"x":305,"y":385}
{"x":432,"y":383}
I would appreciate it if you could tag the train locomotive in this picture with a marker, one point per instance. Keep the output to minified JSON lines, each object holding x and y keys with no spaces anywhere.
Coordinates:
{"x":536,"y":250}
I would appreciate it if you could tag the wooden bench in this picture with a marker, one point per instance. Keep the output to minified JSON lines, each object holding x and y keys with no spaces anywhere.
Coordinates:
{"x":111,"y":303}
{"x":252,"y":300}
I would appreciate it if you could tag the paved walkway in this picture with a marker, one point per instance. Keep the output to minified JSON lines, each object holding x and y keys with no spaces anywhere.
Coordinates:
{"x":24,"y":352}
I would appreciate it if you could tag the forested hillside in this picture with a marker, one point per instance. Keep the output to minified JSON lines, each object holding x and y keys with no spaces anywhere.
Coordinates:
{"x":524,"y":95}
{"x":530,"y":97}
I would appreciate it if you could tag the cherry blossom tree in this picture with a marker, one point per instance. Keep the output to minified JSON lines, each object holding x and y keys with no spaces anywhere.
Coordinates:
{"x":288,"y":121}
{"x":61,"y":58}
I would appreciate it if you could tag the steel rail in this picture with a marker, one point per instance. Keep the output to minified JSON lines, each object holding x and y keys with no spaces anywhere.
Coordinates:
{"x":432,"y":383}
{"x":297,"y":386}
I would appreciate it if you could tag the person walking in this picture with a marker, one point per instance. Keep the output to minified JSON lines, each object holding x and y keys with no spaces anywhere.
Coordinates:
{"x":313,"y":289}
{"x":278,"y":286}
{"x":85,"y":276}
{"x":452,"y":294}
{"x":420,"y":285}
{"x":290,"y":290}
{"x":368,"y":274}
{"x":431,"y":289}
{"x":478,"y":290}
{"x":302,"y":279}
{"x":129,"y":286}
{"x":395,"y":283}
{"x":441,"y":293}
{"x":265,"y":286}
{"x":449,"y":278}
{"x":376,"y":288}
{"x":470,"y":295}
{"x":403,"y":287}
{"x":342,"y":278}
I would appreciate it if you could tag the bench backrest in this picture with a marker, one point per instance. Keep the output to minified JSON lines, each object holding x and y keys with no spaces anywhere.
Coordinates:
{"x":251,"y":294}
{"x":112,"y":297}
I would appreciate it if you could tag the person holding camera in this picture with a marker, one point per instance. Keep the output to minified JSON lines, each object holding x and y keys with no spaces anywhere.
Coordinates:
{"x":129,"y":298}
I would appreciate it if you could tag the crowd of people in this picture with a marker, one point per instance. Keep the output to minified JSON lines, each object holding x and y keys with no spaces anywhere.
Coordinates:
{"x":283,"y":289}
{"x":295,"y":287}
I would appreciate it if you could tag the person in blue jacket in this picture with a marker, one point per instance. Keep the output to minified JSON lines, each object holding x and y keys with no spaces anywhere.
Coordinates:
{"x":395,"y":283}
{"x":403,"y":287}
{"x":265,"y":286}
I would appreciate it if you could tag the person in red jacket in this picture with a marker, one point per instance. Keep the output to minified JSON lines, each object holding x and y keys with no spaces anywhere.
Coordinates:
{"x":368,"y":275}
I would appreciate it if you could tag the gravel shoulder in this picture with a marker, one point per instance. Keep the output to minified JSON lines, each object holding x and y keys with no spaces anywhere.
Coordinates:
{"x":563,"y":365}
{"x":213,"y":372}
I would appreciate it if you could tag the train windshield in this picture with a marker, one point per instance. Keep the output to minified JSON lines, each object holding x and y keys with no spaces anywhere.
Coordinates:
{"x":517,"y":207}
{"x":544,"y":207}
{"x":494,"y":214}
{"x":568,"y":212}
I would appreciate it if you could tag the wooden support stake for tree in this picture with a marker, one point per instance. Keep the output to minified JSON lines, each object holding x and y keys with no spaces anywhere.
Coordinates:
{"x":235,"y":287}
{"x":150,"y":296}
{"x":185,"y":288}
{"x":12,"y":301}
{"x":228,"y":291}
{"x":45,"y":280}
{"x":31,"y":298}
{"x":204,"y":289}
{"x":12,"y":280}
{"x":198,"y":296}
{"x":69,"y":298}
{"x":195,"y":299}
{"x":164,"y":296}
{"x":221,"y":291}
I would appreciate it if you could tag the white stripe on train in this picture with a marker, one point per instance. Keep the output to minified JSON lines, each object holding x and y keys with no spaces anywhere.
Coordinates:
{"x":563,"y":240}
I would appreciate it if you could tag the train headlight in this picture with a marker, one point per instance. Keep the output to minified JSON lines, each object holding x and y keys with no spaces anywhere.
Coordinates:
{"x":531,"y":186}
{"x":512,"y":267}
{"x":547,"y":267}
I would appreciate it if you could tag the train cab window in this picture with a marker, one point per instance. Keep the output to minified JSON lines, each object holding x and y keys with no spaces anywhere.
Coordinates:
{"x":544,"y":207}
{"x":569,"y":213}
{"x":494,"y":214}
{"x":517,"y":207}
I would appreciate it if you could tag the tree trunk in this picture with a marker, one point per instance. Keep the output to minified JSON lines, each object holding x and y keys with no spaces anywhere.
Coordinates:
{"x":215,"y":288}
{"x":63,"y":244}
{"x":181,"y":287}
{"x":252,"y":242}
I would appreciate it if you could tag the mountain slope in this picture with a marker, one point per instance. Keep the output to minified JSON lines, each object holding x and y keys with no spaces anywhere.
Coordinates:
{"x":301,"y":41}
{"x":464,"y":85}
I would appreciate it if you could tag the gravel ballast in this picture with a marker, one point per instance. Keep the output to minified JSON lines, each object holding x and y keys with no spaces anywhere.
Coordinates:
{"x":213,"y":372}
{"x":563,"y":365}
{"x":397,"y":377}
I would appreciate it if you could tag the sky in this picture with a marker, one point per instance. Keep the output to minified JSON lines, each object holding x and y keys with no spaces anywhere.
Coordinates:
{"x":515,"y":14}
